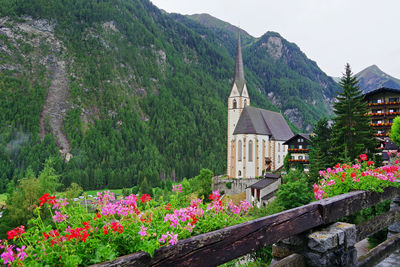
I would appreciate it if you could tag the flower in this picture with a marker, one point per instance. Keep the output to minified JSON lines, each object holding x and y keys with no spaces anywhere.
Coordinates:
{"x":370,"y":162}
{"x":21,"y":253}
{"x":142,"y":231}
{"x":59,"y":217}
{"x":363,"y":157}
{"x":117,"y":227}
{"x":16,"y":232}
{"x":177,"y":187}
{"x":8,"y":255}
{"x":145,"y":198}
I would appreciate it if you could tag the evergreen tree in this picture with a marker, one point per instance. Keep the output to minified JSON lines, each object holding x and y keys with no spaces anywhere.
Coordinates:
{"x":320,"y":153}
{"x":352,"y":134}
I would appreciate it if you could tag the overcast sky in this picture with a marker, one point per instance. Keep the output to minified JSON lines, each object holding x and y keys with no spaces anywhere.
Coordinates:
{"x":330,"y":32}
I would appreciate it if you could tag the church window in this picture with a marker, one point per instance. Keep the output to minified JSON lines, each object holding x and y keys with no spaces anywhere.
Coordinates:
{"x":240,"y":173}
{"x":245,"y":102}
{"x":234,"y":103}
{"x":279,"y":147}
{"x":279,"y":159}
{"x":240,"y":150}
{"x":250,"y":150}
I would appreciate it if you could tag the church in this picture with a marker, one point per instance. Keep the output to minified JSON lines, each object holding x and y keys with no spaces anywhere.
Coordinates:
{"x":255,"y":136}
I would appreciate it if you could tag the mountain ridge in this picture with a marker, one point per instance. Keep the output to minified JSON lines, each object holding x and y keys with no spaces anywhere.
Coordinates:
{"x":373,"y":77}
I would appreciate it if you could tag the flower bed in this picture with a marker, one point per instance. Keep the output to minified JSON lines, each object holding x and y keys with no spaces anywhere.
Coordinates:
{"x":360,"y":176}
{"x":76,"y":235}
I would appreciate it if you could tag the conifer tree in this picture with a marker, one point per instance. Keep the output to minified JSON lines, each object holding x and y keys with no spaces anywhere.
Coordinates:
{"x":352,"y":134}
{"x":321,"y":150}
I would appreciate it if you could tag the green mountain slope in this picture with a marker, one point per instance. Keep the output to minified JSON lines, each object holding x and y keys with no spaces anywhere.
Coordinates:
{"x":124,"y":91}
{"x":285,"y":75}
{"x":372,"y":78}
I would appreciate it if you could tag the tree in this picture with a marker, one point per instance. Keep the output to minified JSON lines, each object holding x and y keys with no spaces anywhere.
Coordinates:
{"x":321,"y":151}
{"x":352,"y":134}
{"x":395,"y":131}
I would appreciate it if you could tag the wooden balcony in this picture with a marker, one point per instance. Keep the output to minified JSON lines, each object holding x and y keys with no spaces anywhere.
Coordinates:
{"x":382,"y":134}
{"x":381,"y":124}
{"x":303,"y":161}
{"x":305,"y":150}
{"x":382,"y":114}
{"x":384,"y":104}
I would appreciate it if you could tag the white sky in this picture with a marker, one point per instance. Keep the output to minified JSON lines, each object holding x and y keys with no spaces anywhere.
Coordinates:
{"x":330,"y":32}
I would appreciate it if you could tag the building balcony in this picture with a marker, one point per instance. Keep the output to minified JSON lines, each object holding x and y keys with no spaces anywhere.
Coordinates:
{"x":382,"y":114}
{"x":304,"y":161}
{"x":298,"y":150}
{"x":382,"y":134}
{"x":381,"y":124}
{"x":384,"y":103}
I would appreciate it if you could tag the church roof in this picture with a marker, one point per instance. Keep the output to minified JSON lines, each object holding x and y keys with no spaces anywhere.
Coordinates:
{"x":238,"y":77}
{"x":260,"y":121}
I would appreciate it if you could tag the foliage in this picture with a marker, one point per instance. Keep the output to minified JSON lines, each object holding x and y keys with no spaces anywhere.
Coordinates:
{"x":73,"y":191}
{"x":295,"y":191}
{"x":321,"y":155}
{"x":360,"y":176}
{"x":352,"y":134}
{"x":75,"y":236}
{"x":22,"y":200}
{"x":395,"y":131}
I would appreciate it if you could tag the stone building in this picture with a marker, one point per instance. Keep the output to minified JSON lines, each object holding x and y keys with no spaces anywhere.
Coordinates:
{"x":255,"y":136}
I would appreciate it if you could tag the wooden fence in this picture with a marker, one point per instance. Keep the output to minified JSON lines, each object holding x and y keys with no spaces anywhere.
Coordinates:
{"x":217,"y":247}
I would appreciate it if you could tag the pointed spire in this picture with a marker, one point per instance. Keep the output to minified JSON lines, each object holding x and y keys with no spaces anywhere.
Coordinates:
{"x":238,"y":77}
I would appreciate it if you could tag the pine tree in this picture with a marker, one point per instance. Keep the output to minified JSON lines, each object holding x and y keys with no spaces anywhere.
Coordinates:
{"x":352,"y":134}
{"x":321,"y":149}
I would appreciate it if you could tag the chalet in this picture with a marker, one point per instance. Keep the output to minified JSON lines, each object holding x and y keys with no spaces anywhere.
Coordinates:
{"x":298,"y":147}
{"x":383,"y":107}
{"x":263,"y":191}
{"x":255,"y":136}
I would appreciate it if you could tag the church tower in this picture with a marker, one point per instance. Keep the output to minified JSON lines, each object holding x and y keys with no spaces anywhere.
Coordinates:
{"x":237,"y":100}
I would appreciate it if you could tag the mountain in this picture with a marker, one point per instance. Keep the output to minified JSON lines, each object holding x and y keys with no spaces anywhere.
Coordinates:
{"x":285,"y":75}
{"x":117,"y":93}
{"x":372,"y":78}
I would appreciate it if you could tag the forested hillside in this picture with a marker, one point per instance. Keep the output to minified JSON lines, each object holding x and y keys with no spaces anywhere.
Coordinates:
{"x":140,"y":97}
{"x":286,"y":76}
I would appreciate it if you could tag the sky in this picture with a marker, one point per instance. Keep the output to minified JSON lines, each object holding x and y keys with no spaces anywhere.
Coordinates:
{"x":330,"y":32}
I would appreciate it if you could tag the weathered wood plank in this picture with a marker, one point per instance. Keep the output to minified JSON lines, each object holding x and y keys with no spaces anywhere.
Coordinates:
{"x":217,"y":247}
{"x":378,"y":223}
{"x":337,"y":207}
{"x":380,"y":252}
{"x":293,"y":260}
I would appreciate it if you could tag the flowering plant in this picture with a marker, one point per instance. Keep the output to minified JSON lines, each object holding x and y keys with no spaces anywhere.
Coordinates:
{"x":360,"y":176}
{"x":75,"y":234}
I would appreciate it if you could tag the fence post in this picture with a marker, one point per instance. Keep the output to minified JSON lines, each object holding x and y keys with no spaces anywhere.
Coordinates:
{"x":394,"y":228}
{"x":331,"y":246}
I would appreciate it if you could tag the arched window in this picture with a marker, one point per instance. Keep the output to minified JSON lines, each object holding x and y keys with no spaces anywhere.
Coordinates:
{"x":300,"y":157}
{"x":240,"y":173}
{"x":250,"y":151}
{"x":240,"y":150}
{"x":279,"y":159}
{"x":245,"y":102}
{"x":234,"y":103}
{"x":279,"y":147}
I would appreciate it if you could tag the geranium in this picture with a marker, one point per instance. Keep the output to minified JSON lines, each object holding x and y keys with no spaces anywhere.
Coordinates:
{"x":59,"y":217}
{"x":16,"y":232}
{"x":142,"y":231}
{"x":363,"y":177}
{"x":145,"y":198}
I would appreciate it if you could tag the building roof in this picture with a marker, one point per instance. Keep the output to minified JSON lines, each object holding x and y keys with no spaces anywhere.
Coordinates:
{"x":238,"y":77}
{"x":265,"y":182}
{"x":260,"y":121}
{"x":270,"y":195}
{"x":389,"y":145}
{"x":381,"y":90}
{"x":305,"y":136}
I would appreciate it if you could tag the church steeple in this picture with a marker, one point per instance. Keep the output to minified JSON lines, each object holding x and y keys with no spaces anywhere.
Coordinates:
{"x":238,"y":77}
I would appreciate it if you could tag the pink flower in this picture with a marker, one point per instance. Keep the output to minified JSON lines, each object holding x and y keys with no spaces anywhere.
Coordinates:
{"x":331,"y":182}
{"x":177,"y":187}
{"x":59,"y":217}
{"x":142,"y":231}
{"x":8,"y":255}
{"x":21,"y":253}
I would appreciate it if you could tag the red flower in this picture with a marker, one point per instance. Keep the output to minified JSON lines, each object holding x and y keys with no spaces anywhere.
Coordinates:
{"x":343,"y":175}
{"x":85,"y":235}
{"x":117,"y":227}
{"x":43,"y":199}
{"x":363,"y":157}
{"x":396,"y":162}
{"x":353,"y":175}
{"x":168,"y":207}
{"x":144,"y":198}
{"x":370,"y":162}
{"x":98,"y":216}
{"x":337,"y":165}
{"x":105,"y":229}
{"x":194,"y":218}
{"x":16,"y":232}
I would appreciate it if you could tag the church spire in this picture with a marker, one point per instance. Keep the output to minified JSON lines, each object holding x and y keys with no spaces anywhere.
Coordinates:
{"x":238,"y":77}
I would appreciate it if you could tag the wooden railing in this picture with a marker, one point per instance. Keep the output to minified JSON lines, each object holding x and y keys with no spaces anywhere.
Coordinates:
{"x":217,"y":247}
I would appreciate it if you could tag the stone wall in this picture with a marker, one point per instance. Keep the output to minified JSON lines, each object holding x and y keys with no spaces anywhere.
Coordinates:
{"x":237,"y":185}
